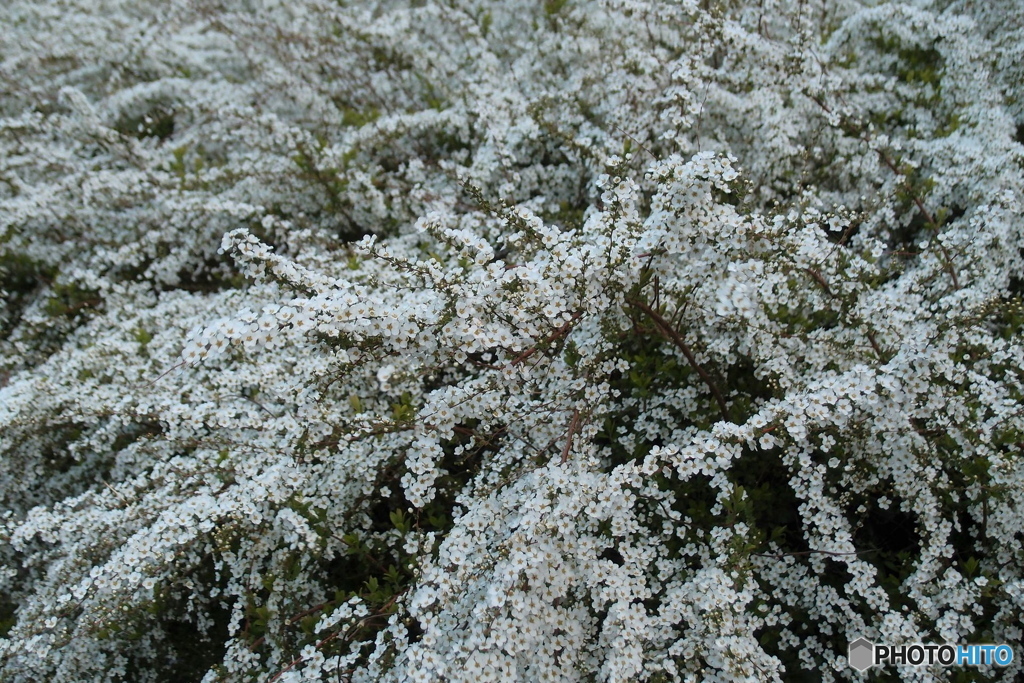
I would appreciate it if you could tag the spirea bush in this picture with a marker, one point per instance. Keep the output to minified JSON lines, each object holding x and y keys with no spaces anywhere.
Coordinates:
{"x":525,"y":341}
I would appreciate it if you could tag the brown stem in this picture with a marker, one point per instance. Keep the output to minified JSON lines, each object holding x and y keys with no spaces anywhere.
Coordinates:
{"x":820,"y":279}
{"x":639,"y":144}
{"x":917,"y":200}
{"x":561,"y":331}
{"x":672,"y":335}
{"x":573,"y":426}
{"x":383,"y":610}
{"x":305,"y":613}
{"x":927,"y":216}
{"x":876,"y":347}
{"x":291,"y":664}
{"x":811,"y":552}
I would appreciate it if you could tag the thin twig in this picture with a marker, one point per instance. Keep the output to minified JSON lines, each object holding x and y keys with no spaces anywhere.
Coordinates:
{"x":297,"y":660}
{"x":820,"y":279}
{"x":700,"y":114}
{"x":305,"y":613}
{"x":169,"y":371}
{"x":573,"y":425}
{"x":876,"y":347}
{"x":561,"y":331}
{"x":639,"y":144}
{"x":924,"y":212}
{"x":888,"y":161}
{"x":813,"y":552}
{"x":383,"y":611}
{"x":116,"y":493}
{"x":669,"y":332}
{"x":258,"y":404}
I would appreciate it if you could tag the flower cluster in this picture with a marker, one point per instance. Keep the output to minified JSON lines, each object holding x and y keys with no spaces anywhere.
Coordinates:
{"x":601,"y":340}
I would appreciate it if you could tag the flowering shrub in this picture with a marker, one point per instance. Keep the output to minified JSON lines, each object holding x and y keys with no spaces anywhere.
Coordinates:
{"x":614,"y":340}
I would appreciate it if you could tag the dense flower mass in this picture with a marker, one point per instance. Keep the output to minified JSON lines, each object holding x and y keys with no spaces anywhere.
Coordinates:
{"x":453,"y":340}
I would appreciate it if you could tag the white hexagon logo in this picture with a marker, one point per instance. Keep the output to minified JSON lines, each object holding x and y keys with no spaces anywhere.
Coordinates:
{"x":861,"y":654}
